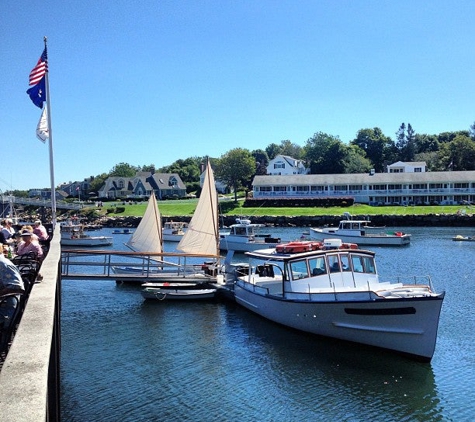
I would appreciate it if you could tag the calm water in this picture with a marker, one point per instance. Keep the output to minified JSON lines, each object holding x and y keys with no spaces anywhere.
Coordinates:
{"x":124,"y":359}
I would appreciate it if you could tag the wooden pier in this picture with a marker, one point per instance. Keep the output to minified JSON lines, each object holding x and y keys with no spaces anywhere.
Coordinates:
{"x":78,"y":264}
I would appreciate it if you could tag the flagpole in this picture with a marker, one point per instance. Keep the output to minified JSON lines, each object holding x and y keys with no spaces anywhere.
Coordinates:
{"x":51,"y":162}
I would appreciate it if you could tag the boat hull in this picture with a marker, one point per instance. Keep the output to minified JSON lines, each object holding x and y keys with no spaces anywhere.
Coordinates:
{"x":87,"y":241}
{"x":172,"y":237}
{"x":368,"y":239}
{"x":401,"y":325}
{"x":178,"y":294}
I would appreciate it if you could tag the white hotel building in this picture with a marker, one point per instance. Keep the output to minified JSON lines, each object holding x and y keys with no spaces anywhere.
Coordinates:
{"x":404,"y":183}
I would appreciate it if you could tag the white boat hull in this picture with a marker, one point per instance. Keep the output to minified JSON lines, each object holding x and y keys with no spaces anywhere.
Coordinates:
{"x":402,"y":325}
{"x":151,"y":293}
{"x":172,"y":237}
{"x":87,"y":241}
{"x":372,"y":239}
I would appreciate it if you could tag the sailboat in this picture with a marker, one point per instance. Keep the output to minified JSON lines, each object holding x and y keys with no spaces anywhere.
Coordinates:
{"x":200,"y":240}
{"x":174,"y":270}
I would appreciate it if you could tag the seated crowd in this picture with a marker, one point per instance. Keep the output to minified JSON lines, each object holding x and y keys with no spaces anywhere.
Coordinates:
{"x":23,"y":251}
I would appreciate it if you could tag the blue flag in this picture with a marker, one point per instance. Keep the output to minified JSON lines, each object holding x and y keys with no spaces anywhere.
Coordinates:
{"x":37,"y":93}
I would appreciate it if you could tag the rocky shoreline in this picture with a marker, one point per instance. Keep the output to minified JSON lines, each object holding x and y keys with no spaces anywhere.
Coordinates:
{"x":429,"y":220}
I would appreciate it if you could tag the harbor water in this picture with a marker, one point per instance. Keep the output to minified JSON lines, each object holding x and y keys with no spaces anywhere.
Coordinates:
{"x":127,"y":359}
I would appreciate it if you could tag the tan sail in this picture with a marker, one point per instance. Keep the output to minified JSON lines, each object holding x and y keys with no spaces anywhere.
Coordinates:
{"x":202,"y":236}
{"x":148,"y":236}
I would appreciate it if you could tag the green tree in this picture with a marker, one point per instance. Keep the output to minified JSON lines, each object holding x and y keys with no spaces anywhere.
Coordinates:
{"x":272,"y":150}
{"x":236,"y":168}
{"x":458,"y":155}
{"x":97,"y":182}
{"x":425,"y":143}
{"x":262,"y":160}
{"x":355,"y":160}
{"x":472,"y":131}
{"x":150,"y":168}
{"x":189,"y":171}
{"x":291,"y":149}
{"x":124,"y":170}
{"x":379,"y":149}
{"x":325,"y":154}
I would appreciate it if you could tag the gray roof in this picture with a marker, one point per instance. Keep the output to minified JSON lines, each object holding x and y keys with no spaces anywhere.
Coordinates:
{"x":366,"y":179}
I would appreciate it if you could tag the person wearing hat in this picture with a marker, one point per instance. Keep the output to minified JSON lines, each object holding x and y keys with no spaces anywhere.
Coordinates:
{"x":27,"y":246}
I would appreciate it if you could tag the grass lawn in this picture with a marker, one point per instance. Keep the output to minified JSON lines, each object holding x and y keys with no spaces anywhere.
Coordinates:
{"x":186,"y":208}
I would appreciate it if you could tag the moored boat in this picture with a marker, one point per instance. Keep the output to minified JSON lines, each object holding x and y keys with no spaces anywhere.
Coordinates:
{"x":334,"y":290}
{"x":73,"y":235}
{"x":244,"y":236}
{"x":122,"y":231}
{"x":173,"y":231}
{"x":178,"y":291}
{"x":360,"y":231}
{"x":460,"y":238}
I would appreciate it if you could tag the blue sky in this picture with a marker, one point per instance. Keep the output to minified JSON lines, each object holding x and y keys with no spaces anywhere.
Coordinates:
{"x":153,"y":81}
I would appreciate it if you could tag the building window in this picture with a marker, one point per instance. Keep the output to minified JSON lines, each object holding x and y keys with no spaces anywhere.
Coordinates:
{"x":279,"y":165}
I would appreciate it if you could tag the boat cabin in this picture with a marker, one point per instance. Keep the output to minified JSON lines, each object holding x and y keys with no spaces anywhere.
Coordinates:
{"x":329,"y":267}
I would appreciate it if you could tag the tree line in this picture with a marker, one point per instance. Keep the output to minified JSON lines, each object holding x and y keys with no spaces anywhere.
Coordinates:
{"x":323,"y":154}
{"x":326,"y":154}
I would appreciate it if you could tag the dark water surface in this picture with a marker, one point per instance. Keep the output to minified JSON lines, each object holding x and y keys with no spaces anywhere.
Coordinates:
{"x":125,"y":359}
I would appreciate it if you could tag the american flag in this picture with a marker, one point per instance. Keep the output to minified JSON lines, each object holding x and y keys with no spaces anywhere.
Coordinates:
{"x":40,"y":69}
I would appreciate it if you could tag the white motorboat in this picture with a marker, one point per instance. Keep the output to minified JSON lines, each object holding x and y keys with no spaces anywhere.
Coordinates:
{"x":360,"y":231}
{"x":333,"y":289}
{"x":178,"y":291}
{"x":173,"y":231}
{"x":245,"y":236}
{"x":73,"y":235}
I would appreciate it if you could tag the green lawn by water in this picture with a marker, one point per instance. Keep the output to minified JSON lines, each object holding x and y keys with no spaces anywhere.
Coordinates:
{"x":186,"y":208}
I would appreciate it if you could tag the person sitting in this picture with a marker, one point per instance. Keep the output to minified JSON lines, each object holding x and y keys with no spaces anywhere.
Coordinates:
{"x":10,"y":282}
{"x":8,"y":230}
{"x":335,"y":267}
{"x":34,"y":237}
{"x":40,"y":231}
{"x":29,"y":245}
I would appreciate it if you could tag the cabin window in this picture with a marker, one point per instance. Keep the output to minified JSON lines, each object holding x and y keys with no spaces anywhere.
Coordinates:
{"x":333,"y":263}
{"x":369,"y":265}
{"x":317,"y":266}
{"x":299,"y":270}
{"x":241,"y":231}
{"x":355,"y":226}
{"x":358,"y":264}
{"x":345,"y":262}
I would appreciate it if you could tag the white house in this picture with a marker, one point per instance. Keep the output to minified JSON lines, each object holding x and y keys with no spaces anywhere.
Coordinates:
{"x":283,"y":165}
{"x":413,"y":167}
{"x":415,"y":186}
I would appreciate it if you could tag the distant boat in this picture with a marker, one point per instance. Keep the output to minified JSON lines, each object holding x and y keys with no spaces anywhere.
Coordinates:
{"x":122,"y":231}
{"x":72,"y":234}
{"x":359,"y":231}
{"x":173,"y":231}
{"x":460,"y":238}
{"x":244,"y":236}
